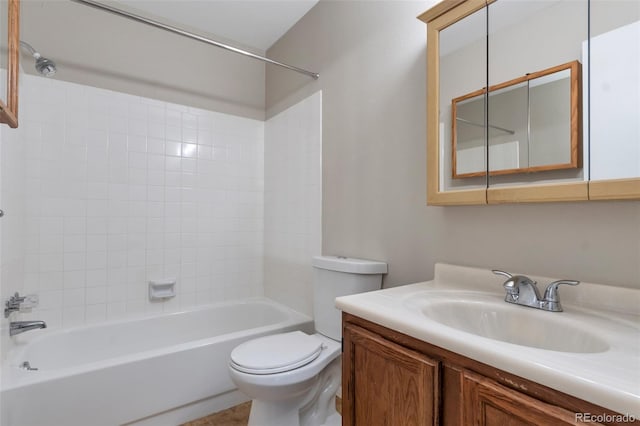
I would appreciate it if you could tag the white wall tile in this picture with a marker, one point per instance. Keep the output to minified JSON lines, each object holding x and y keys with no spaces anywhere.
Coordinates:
{"x":131,"y":190}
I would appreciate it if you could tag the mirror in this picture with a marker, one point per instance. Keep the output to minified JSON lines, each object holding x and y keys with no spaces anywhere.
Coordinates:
{"x":613,"y":53}
{"x":10,"y":57}
{"x":522,"y":37}
{"x":463,"y":59}
{"x":533,"y":125}
{"x":454,"y":28}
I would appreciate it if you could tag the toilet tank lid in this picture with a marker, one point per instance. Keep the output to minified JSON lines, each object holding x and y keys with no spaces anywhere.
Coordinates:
{"x":349,"y":264}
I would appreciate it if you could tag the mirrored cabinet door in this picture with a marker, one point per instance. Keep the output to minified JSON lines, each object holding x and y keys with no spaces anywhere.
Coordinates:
{"x":463,"y":60}
{"x":456,"y":65}
{"x":540,"y":44}
{"x":614,"y":87}
{"x":533,"y":101}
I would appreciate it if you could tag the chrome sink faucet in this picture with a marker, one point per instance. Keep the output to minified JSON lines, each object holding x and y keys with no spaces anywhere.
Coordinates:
{"x":522,"y":290}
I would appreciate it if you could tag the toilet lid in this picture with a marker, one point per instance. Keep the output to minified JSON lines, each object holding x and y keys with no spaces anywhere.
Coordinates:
{"x":276,"y":353}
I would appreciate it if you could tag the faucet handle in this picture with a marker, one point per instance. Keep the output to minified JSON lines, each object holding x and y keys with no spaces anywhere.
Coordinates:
{"x":551,"y":293}
{"x":503,"y":273}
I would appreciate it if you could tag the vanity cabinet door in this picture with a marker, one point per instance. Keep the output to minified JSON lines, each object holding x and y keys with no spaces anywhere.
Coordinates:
{"x":488,"y":403}
{"x":385,"y":383}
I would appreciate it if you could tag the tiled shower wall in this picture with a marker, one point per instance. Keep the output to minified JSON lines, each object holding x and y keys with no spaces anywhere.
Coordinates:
{"x":104,"y":191}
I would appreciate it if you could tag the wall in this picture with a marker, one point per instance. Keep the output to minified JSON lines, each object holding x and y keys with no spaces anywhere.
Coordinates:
{"x":99,"y":49}
{"x":293,"y":202}
{"x":371,"y":57}
{"x":118,"y":190}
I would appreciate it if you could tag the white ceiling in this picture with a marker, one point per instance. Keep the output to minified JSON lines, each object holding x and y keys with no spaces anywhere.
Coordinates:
{"x":253,"y":23}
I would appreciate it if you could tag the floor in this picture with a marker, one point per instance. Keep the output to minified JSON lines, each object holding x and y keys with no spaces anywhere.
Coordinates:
{"x":236,"y":416}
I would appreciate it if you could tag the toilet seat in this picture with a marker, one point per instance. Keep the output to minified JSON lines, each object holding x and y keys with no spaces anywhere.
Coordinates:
{"x":276,"y":353}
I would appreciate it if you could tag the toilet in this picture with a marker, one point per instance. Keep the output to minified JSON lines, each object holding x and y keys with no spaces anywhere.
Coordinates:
{"x":293,"y":377}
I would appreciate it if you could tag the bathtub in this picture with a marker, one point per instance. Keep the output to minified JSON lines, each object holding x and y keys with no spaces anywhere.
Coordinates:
{"x":160,"y":370}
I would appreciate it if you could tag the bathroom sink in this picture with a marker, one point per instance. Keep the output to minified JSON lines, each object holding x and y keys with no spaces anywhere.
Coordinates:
{"x":591,"y":350}
{"x":517,"y":325}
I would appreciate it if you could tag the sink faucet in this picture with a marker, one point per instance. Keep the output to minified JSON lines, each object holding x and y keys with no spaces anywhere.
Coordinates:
{"x":522,"y":290}
{"x":17,"y":327}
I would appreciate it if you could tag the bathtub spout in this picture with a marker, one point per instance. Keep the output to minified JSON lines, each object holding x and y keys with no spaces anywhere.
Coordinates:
{"x":17,"y":327}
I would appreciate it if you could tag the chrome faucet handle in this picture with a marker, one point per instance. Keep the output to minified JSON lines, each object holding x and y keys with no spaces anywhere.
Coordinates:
{"x":551,"y":293}
{"x":503,"y":273}
{"x":13,"y":304}
{"x":513,"y":282}
{"x":510,"y":284}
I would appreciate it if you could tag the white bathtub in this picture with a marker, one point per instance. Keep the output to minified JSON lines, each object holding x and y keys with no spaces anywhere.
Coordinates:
{"x":160,"y":370}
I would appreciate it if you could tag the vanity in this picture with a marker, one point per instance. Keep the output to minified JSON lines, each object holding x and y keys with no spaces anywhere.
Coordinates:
{"x":452,"y":351}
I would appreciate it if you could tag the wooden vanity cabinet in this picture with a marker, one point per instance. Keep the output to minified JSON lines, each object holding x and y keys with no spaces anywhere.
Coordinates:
{"x":391,"y":379}
{"x":386,"y":383}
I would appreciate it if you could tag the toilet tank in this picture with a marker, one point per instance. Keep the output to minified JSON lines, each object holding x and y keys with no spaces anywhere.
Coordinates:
{"x":336,"y":276}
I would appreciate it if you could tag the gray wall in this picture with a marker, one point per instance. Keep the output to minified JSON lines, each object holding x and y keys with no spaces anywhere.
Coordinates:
{"x":371,"y":56}
{"x":99,"y":49}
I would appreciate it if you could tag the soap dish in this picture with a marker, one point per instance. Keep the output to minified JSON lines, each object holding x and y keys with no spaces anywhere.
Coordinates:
{"x":163,"y":289}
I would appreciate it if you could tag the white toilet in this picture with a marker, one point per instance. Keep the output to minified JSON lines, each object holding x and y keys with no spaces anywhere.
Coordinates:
{"x":293,"y":377}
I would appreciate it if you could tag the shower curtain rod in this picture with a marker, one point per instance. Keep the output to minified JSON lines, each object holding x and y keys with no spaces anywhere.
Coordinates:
{"x":191,"y":35}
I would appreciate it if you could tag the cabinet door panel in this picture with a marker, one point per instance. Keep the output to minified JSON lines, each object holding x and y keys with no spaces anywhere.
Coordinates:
{"x":487,"y":403}
{"x":387,"y":384}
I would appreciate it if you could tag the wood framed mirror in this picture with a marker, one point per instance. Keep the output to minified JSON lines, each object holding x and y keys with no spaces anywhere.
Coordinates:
{"x":10,"y":63}
{"x":534,"y":125}
{"x":519,"y":37}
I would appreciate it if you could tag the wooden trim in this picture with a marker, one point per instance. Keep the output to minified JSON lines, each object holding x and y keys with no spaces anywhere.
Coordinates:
{"x":615,"y":189}
{"x":552,"y":192}
{"x":9,"y":111}
{"x":439,"y":9}
{"x":465,"y":197}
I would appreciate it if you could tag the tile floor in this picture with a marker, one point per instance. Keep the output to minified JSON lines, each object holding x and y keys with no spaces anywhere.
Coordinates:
{"x":235,"y":416}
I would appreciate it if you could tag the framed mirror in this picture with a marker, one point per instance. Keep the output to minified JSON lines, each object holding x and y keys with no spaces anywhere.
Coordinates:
{"x":10,"y":59}
{"x":522,"y":37}
{"x":534,"y":125}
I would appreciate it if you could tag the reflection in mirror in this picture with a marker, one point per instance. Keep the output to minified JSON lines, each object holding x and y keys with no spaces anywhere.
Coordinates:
{"x":614,"y":89}
{"x":533,"y":125}
{"x":526,"y":36}
{"x":462,"y":64}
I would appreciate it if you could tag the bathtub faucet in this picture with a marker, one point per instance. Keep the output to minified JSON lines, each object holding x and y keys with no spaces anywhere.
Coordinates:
{"x":17,"y":327}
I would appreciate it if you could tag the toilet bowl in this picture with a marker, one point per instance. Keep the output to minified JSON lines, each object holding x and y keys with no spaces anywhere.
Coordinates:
{"x":293,"y":377}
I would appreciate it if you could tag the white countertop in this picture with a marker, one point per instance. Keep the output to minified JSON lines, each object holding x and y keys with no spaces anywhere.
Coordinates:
{"x":610,"y":378}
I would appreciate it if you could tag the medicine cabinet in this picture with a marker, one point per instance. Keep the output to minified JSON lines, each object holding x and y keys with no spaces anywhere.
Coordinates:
{"x":559,"y":119}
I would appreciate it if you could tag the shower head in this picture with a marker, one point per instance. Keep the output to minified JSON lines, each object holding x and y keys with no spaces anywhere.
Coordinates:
{"x":44,"y":66}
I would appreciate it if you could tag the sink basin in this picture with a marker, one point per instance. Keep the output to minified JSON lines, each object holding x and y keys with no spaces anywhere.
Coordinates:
{"x":590,"y":351}
{"x":513,"y":324}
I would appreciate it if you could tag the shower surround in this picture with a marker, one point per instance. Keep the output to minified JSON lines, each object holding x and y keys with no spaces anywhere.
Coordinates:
{"x":104,"y":191}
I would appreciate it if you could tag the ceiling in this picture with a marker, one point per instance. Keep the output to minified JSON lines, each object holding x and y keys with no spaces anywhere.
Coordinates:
{"x":252,"y":23}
